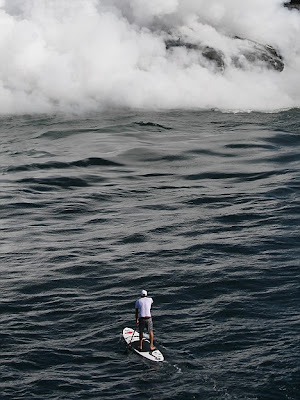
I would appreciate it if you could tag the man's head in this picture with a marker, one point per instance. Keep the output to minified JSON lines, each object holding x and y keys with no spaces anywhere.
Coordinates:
{"x":144,"y":293}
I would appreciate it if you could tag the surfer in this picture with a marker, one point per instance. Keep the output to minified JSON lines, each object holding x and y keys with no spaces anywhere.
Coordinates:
{"x":144,"y":319}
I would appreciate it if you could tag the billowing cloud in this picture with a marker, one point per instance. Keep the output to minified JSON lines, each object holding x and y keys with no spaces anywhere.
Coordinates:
{"x":91,"y":54}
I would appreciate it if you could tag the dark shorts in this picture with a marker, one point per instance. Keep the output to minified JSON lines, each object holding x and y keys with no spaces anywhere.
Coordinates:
{"x":145,"y":323}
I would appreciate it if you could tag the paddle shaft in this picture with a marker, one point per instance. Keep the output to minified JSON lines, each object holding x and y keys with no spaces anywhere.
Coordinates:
{"x":132,"y":337}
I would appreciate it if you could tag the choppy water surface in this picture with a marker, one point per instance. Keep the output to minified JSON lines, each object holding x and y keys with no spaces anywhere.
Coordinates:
{"x":200,"y":208}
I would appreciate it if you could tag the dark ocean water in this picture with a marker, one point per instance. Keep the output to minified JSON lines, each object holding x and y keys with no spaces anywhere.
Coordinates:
{"x":199,"y":208}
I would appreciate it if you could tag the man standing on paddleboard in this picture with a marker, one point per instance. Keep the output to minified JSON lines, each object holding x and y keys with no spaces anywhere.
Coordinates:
{"x":143,"y":318}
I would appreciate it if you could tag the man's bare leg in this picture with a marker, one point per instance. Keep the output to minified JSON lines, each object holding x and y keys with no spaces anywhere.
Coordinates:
{"x":151,"y":341}
{"x":141,"y":341}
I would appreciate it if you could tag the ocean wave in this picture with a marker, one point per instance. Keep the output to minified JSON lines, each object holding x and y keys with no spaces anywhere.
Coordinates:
{"x":85,"y":163}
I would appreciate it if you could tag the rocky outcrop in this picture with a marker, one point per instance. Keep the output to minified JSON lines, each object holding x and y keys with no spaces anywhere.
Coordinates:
{"x":261,"y":55}
{"x":208,"y":53}
{"x":247,"y":54}
{"x":293,"y":4}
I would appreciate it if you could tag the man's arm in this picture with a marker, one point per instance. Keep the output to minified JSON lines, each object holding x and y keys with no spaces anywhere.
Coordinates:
{"x":137,"y":316}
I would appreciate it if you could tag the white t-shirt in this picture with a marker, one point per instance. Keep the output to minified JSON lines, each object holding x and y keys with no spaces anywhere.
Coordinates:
{"x":144,"y":306}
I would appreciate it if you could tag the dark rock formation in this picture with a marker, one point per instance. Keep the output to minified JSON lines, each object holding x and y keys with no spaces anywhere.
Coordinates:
{"x":293,"y":4}
{"x":262,"y":55}
{"x":248,"y":54}
{"x":209,"y":53}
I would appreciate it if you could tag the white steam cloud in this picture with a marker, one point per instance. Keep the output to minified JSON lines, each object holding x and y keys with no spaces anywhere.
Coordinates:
{"x":81,"y":55}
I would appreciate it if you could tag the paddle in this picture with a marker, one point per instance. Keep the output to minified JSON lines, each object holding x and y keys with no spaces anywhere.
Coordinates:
{"x":131,"y":337}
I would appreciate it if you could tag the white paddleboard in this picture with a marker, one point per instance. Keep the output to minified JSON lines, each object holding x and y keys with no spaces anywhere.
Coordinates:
{"x":131,"y":337}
